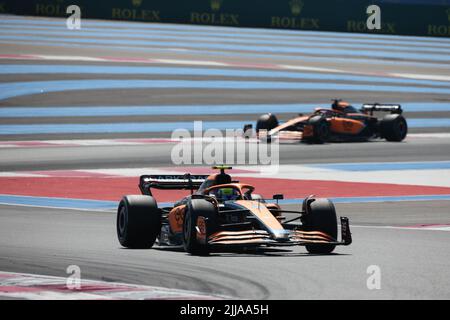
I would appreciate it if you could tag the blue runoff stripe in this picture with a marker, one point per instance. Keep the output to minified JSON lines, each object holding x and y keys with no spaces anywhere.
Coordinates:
{"x":179,"y":71}
{"x":17,"y":89}
{"x":157,"y":110}
{"x":127,"y":127}
{"x":239,"y":54}
{"x":377,"y":199}
{"x":99,"y":205}
{"x":429,"y":123}
{"x":137,"y":127}
{"x":303,"y":41}
{"x":58,"y":202}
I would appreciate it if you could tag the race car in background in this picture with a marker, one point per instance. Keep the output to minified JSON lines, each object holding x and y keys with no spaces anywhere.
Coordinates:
{"x":222,"y":214}
{"x":342,"y":122}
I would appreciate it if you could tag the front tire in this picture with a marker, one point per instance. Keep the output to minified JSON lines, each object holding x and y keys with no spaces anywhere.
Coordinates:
{"x":267,"y":122}
{"x":198,"y":208}
{"x":138,"y":221}
{"x":321,"y":217}
{"x":393,"y":127}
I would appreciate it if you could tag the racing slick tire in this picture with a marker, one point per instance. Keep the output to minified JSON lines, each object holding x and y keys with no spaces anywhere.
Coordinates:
{"x":321,"y":129}
{"x":393,"y":127}
{"x":198,"y":208}
{"x":267,"y":122}
{"x":321,"y":217}
{"x":138,"y":221}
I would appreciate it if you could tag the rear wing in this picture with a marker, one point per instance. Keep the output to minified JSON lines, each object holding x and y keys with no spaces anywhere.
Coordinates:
{"x":170,"y":182}
{"x":371,"y":108}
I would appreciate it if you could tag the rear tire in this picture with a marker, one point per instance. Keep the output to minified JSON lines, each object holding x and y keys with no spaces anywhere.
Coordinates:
{"x":198,"y":208}
{"x":393,"y":127}
{"x":321,"y":217}
{"x":138,"y":221}
{"x":321,"y":129}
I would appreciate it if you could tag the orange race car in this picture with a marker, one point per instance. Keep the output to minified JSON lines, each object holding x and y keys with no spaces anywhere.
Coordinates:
{"x":221,"y":214}
{"x":342,"y":122}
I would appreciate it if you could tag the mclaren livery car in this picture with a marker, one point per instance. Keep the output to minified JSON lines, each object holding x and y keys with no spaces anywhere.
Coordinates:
{"x":342,"y":122}
{"x":222,"y":214}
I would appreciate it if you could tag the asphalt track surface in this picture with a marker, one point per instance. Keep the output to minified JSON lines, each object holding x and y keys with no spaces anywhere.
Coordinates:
{"x":414,"y":262}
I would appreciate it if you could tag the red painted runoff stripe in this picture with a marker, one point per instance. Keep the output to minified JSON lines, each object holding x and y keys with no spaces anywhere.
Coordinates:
{"x":113,"y":188}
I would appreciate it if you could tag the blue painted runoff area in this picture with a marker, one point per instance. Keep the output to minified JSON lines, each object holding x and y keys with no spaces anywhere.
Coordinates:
{"x":216,"y":53}
{"x":63,"y":203}
{"x":242,"y":38}
{"x":17,"y":89}
{"x":138,"y":127}
{"x":23,"y":22}
{"x":426,"y":56}
{"x":211,"y":72}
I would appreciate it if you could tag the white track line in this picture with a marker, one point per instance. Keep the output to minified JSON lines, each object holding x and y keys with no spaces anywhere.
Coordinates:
{"x":39,"y":287}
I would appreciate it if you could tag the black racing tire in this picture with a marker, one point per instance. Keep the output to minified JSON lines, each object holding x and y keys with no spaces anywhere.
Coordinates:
{"x":138,"y":222}
{"x":267,"y":122}
{"x":321,"y":129}
{"x":393,"y":127}
{"x":196,"y":208}
{"x":258,"y":197}
{"x":321,"y":217}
